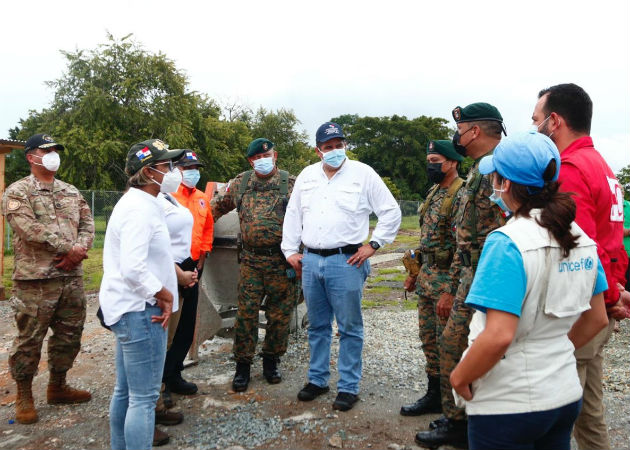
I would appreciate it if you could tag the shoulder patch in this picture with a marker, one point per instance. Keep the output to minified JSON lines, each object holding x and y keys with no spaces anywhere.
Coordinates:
{"x":12,"y":205}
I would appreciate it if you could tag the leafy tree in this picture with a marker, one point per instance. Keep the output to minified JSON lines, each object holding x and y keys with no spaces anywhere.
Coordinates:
{"x":395,"y":147}
{"x":623,"y":176}
{"x":119,"y":94}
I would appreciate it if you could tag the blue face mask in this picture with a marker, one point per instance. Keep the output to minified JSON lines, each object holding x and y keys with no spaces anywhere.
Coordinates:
{"x":191,"y":178}
{"x":499,"y":200}
{"x":335,"y":158}
{"x":263,"y":165}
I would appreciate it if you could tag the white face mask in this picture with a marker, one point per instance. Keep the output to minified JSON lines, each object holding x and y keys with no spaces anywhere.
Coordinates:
{"x":50,"y":161}
{"x":170,"y":181}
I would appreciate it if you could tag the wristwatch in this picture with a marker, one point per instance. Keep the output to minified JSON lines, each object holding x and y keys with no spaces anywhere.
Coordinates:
{"x":375,"y":245}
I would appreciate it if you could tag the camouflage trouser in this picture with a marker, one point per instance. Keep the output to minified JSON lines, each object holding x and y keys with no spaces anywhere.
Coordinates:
{"x":260,"y":276}
{"x":453,"y":342}
{"x":58,"y":303}
{"x":431,"y":326}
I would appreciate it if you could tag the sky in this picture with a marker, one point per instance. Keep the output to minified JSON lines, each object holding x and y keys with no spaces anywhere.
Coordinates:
{"x":326,"y":58}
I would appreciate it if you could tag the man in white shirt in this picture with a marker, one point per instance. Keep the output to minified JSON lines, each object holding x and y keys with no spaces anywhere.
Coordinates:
{"x":329,"y":213}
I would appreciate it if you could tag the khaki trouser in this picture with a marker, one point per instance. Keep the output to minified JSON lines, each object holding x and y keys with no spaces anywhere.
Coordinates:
{"x":591,"y":432}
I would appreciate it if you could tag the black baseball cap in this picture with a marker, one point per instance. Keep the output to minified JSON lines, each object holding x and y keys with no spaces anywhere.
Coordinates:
{"x":41,"y":140}
{"x":189,"y":158}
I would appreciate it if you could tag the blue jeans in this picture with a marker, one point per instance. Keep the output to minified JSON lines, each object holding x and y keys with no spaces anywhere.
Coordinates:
{"x":542,"y":430}
{"x":140,"y":353}
{"x":333,"y":288}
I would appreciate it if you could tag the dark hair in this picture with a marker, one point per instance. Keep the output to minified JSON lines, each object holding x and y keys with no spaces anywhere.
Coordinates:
{"x":572,"y":103}
{"x":557,"y":208}
{"x":491,"y":128}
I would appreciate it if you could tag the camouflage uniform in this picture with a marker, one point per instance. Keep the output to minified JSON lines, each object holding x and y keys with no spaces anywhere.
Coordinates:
{"x":261,"y":214}
{"x":434,"y":278}
{"x":47,"y":220}
{"x":480,"y":210}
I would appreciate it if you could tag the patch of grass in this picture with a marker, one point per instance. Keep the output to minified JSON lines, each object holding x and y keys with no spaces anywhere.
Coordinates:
{"x":368,"y":304}
{"x":388,"y":270}
{"x":378,"y":290}
{"x":409,"y":239}
{"x":400,"y":277}
{"x":410,"y":304}
{"x":378,"y":279}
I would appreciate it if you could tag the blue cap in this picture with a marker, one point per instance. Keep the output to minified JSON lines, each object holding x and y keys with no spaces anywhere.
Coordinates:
{"x":328,"y":131}
{"x":523,"y":159}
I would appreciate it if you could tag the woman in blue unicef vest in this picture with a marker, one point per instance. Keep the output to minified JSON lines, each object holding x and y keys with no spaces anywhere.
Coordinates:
{"x":538,"y":296}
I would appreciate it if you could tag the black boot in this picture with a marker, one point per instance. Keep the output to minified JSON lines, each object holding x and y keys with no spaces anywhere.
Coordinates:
{"x":430,"y":403}
{"x":270,"y":370}
{"x":241,"y":377}
{"x":450,"y":432}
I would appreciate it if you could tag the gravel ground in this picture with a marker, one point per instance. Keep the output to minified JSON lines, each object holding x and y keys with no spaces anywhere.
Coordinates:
{"x":269,"y":416}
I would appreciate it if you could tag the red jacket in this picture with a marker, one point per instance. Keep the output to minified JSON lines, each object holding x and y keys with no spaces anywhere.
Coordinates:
{"x":599,"y":200}
{"x":203,"y":226}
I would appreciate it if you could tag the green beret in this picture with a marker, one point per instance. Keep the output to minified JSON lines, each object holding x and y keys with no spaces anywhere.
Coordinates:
{"x":476,"y":112}
{"x":445,"y":148}
{"x":260,"y":145}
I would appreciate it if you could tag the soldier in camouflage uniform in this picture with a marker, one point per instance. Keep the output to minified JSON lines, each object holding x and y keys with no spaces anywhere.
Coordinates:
{"x":52,"y":231}
{"x":260,"y":197}
{"x":479,"y":128}
{"x":434,"y":257}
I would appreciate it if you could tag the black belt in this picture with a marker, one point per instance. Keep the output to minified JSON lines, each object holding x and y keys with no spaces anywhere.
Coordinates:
{"x":268,"y":251}
{"x":348,"y":249}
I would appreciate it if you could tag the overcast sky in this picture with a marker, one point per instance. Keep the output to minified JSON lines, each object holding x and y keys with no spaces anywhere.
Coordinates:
{"x":325,"y":58}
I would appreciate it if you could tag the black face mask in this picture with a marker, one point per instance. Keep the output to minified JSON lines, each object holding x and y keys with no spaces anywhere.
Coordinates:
{"x":459,"y":148}
{"x":434,"y":171}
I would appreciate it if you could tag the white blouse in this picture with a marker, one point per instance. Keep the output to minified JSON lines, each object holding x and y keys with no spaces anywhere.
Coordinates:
{"x":137,"y":257}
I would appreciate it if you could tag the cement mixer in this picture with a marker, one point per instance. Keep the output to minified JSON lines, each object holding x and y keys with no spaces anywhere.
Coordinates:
{"x":218,"y":287}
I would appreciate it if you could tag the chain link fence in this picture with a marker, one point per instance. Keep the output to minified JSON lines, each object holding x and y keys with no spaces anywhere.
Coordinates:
{"x":102,"y":204}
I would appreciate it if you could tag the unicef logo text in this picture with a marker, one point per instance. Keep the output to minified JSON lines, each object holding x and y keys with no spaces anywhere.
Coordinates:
{"x":577,"y":265}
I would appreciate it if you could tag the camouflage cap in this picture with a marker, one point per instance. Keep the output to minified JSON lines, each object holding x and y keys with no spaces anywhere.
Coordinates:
{"x":148,"y":152}
{"x":445,"y":148}
{"x":260,"y":145}
{"x":41,"y":140}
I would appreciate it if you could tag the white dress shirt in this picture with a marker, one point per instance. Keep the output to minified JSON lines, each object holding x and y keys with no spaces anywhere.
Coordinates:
{"x":137,"y":258}
{"x":179,"y":222}
{"x":330,"y":213}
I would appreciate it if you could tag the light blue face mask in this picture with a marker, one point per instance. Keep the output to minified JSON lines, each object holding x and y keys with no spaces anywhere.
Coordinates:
{"x":191,"y":178}
{"x":335,"y":158}
{"x":263,"y":165}
{"x":499,"y":200}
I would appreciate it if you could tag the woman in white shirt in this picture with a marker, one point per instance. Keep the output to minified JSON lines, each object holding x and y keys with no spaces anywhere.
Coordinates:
{"x":538,"y":296}
{"x":137,"y":289}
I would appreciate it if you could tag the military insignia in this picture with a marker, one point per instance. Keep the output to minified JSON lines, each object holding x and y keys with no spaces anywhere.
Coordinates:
{"x":12,"y":205}
{"x":457,"y":113}
{"x":264,"y":146}
{"x":431,"y":145}
{"x":143,"y":154}
{"x":47,"y":138}
{"x":159,"y":145}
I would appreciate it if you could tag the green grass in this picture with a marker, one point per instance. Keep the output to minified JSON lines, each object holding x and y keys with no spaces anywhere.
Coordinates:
{"x":407,"y":223}
{"x":378,"y":290}
{"x":408,"y":304}
{"x":388,"y":270}
{"x":368,"y":304}
{"x":92,"y":271}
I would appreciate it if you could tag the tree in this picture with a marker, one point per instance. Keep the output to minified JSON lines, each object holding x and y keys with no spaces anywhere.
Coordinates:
{"x":119,"y":94}
{"x":395,"y":147}
{"x":624,"y":180}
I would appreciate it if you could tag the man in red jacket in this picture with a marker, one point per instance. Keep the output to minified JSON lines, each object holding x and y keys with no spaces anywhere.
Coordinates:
{"x":564,"y":113}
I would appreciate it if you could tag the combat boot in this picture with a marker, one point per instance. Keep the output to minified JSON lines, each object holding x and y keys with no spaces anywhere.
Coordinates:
{"x":270,"y":370}
{"x":25,"y":411}
{"x":449,"y":432}
{"x":241,"y":377}
{"x":59,"y":392}
{"x":430,"y":403}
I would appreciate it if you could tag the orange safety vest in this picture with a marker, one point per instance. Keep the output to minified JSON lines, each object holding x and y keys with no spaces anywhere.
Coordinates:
{"x":198,"y":204}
